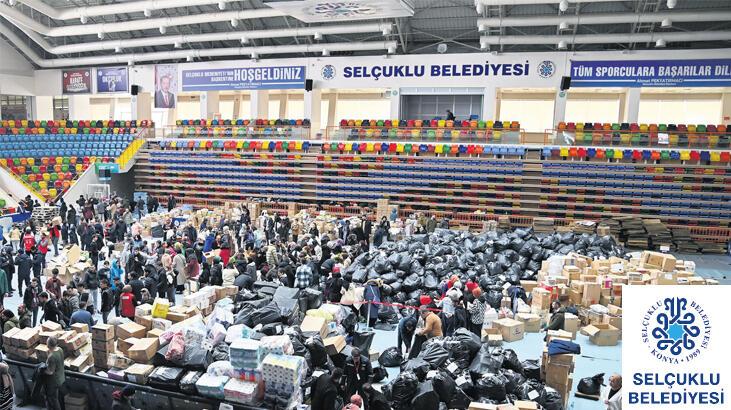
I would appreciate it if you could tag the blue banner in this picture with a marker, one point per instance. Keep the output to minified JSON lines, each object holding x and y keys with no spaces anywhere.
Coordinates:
{"x":112,"y":80}
{"x":251,"y":78}
{"x":652,"y":73}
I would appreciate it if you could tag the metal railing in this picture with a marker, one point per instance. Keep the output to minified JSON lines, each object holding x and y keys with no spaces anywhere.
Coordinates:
{"x":426,"y":134}
{"x":233,"y":131}
{"x":626,"y":138}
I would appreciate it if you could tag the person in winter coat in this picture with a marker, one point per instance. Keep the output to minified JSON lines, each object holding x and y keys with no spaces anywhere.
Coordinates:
{"x":9,"y":320}
{"x":172,"y":202}
{"x":136,"y":284}
{"x":117,"y":292}
{"x":38,"y":259}
{"x":151,"y":279}
{"x":192,"y":267}
{"x":216,"y":278}
{"x":91,"y":282}
{"x":30,"y":298}
{"x":127,"y":302}
{"x":358,"y":371}
{"x":229,"y":274}
{"x":4,"y":286}
{"x":29,"y":240}
{"x":476,"y":312}
{"x":122,"y":399}
{"x":372,"y":294}
{"x":25,"y":318}
{"x":50,"y":309}
{"x":375,"y":400}
{"x":406,"y":328}
{"x":54,"y":284}
{"x":71,"y":216}
{"x":6,"y":264}
{"x":334,"y":286}
{"x":179,"y":263}
{"x":226,"y":244}
{"x":15,"y":237}
{"x":326,"y":392}
{"x":107,"y":299}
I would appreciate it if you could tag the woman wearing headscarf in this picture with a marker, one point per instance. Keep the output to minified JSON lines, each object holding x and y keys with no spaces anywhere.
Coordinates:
{"x":226,"y":244}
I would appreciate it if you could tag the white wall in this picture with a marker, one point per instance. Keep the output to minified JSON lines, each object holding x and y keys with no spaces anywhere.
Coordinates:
{"x":16,"y":73}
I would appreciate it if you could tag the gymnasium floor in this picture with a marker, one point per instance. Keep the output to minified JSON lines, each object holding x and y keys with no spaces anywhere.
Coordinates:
{"x":593,"y":359}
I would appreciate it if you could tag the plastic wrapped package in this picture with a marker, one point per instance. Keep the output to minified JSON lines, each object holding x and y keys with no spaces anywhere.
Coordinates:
{"x":166,"y":378}
{"x":234,"y":332}
{"x":283,"y":373}
{"x":211,"y":386}
{"x":217,"y":334}
{"x":391,"y":357}
{"x":194,"y":336}
{"x":243,"y":392}
{"x":426,"y":398}
{"x":276,"y":345}
{"x":221,"y":368}
{"x":321,"y":313}
{"x":176,"y":348}
{"x":188,"y":381}
{"x":245,"y":354}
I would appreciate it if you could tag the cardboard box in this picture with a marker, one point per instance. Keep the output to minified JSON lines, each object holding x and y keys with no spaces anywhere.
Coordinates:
{"x":602,"y":334}
{"x":145,"y":321}
{"x":78,"y":363}
{"x":43,"y":336}
{"x":130,"y":329}
{"x":312,"y":324}
{"x":531,"y":322}
{"x":615,"y":321}
{"x":125,"y":344}
{"x":492,"y":336}
{"x":334,"y":345}
{"x":592,"y":293}
{"x":102,"y":332}
{"x":559,"y":334}
{"x":528,"y":285}
{"x":119,"y":361}
{"x":138,"y":373}
{"x":103,"y":345}
{"x":482,"y":406}
{"x":155,"y":332}
{"x":571,"y":323}
{"x":9,"y":336}
{"x":143,"y":350}
{"x":49,"y":326}
{"x":42,"y":353}
{"x":80,"y":328}
{"x":656,"y":260}
{"x":541,"y":298}
{"x":663,"y":278}
{"x":162,"y":324}
{"x":510,"y":329}
{"x":571,"y":272}
{"x":27,"y":338}
{"x":526,"y":405}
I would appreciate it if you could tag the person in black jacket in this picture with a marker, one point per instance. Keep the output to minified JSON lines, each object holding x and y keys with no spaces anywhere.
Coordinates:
{"x":151,"y":279}
{"x":91,"y":282}
{"x":358,"y":371}
{"x":94,"y":247}
{"x":118,"y":286}
{"x":50,"y":309}
{"x":334,"y":286}
{"x":6,"y":264}
{"x":137,"y":285}
{"x":216,"y":272}
{"x":38,"y":258}
{"x":31,"y":298}
{"x":107,"y":300}
{"x":326,"y":391}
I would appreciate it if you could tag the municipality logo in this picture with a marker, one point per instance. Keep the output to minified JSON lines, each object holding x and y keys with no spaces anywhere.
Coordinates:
{"x":328,"y":72}
{"x":546,"y":69}
{"x":676,"y":330}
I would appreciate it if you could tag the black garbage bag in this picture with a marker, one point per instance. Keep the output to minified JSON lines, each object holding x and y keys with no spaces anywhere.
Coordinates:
{"x":388,"y":314}
{"x":243,"y":317}
{"x":379,"y":374}
{"x":486,"y":361}
{"x":194,"y":358}
{"x":389,"y":278}
{"x":492,"y":386}
{"x":503,"y":260}
{"x":514,"y":379}
{"x":381,"y":265}
{"x":417,"y":366}
{"x":511,"y":361}
{"x":502,"y":243}
{"x":396,"y":288}
{"x":460,"y":355}
{"x":460,"y":400}
{"x":404,"y":261}
{"x":494,"y":268}
{"x":220,"y":352}
{"x":272,"y":329}
{"x":359,"y":275}
{"x":551,"y":399}
{"x":166,"y":378}
{"x":314,"y":298}
{"x":591,"y":385}
{"x":530,"y":390}
{"x":411,"y":283}
{"x":318,"y":353}
{"x":431,"y":282}
{"x":444,"y":386}
{"x":372,"y":274}
{"x":516,"y":244}
{"x":434,"y":354}
{"x":188,"y":381}
{"x":426,"y":397}
{"x":268,"y":314}
{"x":494,"y":298}
{"x":531,"y":369}
{"x":363,"y":340}
{"x":534,"y":266}
{"x":468,"y":339}
{"x":550,"y":242}
{"x":402,"y":389}
{"x":391,"y":357}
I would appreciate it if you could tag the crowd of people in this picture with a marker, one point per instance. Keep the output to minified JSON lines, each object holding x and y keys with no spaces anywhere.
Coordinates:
{"x":265,"y":247}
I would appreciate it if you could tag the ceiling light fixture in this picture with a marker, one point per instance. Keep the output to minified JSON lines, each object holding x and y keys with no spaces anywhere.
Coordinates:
{"x":482,"y":28}
{"x":177,"y":44}
{"x":392,"y":50}
{"x":563,"y":26}
{"x":100,"y":35}
{"x":666,"y":23}
{"x":660,"y":43}
{"x":244,"y":40}
{"x":325,"y":53}
{"x":234,"y":23}
{"x":562,"y":45}
{"x":189,"y":59}
{"x":484,"y":45}
{"x":563,"y":5}
{"x":147,"y":12}
{"x":479,"y":7}
{"x":83,"y":19}
{"x":254,"y":56}
{"x":130,"y":63}
{"x":163,"y":29}
{"x":222,"y":5}
{"x":387,"y":30}
{"x":118,"y":49}
{"x":317,"y":36}
{"x":672,"y":4}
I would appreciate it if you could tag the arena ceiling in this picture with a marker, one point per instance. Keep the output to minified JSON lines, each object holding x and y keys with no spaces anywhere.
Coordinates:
{"x":63,"y":33}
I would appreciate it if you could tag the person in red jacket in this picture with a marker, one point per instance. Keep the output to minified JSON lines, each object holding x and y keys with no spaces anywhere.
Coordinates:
{"x":128,"y":303}
{"x":29,"y":240}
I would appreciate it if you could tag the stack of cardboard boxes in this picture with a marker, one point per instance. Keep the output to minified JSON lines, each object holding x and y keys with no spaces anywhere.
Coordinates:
{"x":517,"y":405}
{"x":558,"y":370}
{"x":69,"y":262}
{"x":102,"y":344}
{"x":21,"y":343}
{"x":77,"y":349}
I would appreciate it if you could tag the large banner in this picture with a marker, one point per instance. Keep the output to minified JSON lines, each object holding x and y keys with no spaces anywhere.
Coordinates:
{"x":112,"y":80}
{"x":674,"y":345}
{"x":166,"y":85}
{"x":651,"y":73}
{"x":251,"y":78}
{"x":76,"y":81}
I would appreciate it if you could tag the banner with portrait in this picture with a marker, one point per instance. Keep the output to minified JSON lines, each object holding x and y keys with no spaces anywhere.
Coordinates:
{"x":166,"y":85}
